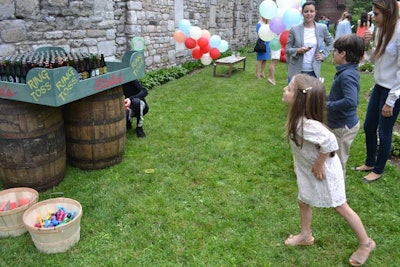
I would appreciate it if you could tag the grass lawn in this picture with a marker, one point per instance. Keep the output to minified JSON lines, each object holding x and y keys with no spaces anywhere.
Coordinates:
{"x":223,"y":191}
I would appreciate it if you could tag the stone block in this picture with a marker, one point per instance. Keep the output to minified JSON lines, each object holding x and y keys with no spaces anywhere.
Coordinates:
{"x":6,"y":50}
{"x":7,"y":8}
{"x":12,"y":31}
{"x":110,"y":34}
{"x":107,"y":48}
{"x":134,"y":5}
{"x":106,"y":24}
{"x":54,"y":35}
{"x":89,"y":41}
{"x":95,"y":33}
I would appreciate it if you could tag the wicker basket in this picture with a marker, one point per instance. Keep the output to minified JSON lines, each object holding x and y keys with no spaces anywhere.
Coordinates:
{"x":56,"y":239}
{"x":11,"y":223}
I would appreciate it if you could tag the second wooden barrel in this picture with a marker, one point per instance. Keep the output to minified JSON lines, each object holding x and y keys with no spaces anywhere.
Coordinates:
{"x":95,"y":129}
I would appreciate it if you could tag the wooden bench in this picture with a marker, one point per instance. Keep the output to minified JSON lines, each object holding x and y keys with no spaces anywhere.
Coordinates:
{"x":230,"y":61}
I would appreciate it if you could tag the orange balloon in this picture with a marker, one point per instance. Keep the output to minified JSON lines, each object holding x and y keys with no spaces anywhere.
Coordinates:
{"x":206,"y":34}
{"x":179,"y":36}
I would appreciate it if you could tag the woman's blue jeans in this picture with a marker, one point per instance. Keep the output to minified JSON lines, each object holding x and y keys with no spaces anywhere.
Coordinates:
{"x":376,"y":125}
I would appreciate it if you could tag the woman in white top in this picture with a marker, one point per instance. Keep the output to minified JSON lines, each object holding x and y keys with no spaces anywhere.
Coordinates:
{"x":309,"y":43}
{"x":383,"y":106}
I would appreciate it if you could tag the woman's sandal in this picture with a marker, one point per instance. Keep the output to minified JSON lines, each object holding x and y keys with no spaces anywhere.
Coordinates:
{"x":298,"y":240}
{"x":362,"y":168}
{"x":362,"y":253}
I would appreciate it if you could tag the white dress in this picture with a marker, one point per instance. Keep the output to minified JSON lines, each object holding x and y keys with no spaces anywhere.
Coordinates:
{"x":329,"y":192}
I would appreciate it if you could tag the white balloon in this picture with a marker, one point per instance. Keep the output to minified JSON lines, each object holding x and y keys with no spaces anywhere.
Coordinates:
{"x":195,"y":32}
{"x":206,"y":59}
{"x":265,"y":33}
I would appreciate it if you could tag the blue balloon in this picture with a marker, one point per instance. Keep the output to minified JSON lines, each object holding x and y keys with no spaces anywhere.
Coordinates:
{"x":223,"y":47}
{"x":215,"y":41}
{"x":184,"y":25}
{"x":292,"y":17}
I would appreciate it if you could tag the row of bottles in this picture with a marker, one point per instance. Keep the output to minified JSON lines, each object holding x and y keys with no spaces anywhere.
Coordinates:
{"x":15,"y":68}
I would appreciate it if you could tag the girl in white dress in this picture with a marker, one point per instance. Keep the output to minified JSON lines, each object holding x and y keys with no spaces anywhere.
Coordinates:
{"x":318,"y":169}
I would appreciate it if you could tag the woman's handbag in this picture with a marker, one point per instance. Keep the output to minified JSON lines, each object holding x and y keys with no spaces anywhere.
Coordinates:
{"x":260,"y":46}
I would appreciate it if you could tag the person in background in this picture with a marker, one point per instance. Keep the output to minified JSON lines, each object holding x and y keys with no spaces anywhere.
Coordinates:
{"x":328,"y":22}
{"x":342,"y":100}
{"x":344,"y":26}
{"x":322,"y":20}
{"x":342,"y":17}
{"x":362,"y":24}
{"x":383,"y":105}
{"x":262,"y":57}
{"x":318,"y":170}
{"x":275,"y":57}
{"x":136,"y":105}
{"x":309,"y":43}
{"x":370,"y":16}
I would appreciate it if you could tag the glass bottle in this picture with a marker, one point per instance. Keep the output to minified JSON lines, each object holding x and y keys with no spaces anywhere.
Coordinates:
{"x":103,"y":66}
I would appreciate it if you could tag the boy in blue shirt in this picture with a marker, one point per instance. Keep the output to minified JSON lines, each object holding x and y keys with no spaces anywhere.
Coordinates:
{"x":343,"y":98}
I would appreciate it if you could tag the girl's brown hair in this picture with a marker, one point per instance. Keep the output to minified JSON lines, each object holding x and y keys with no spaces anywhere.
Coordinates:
{"x":390,"y":13}
{"x":309,"y":102}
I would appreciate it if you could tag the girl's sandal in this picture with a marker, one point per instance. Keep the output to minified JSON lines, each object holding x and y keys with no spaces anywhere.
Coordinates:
{"x":298,"y":240}
{"x":362,"y":253}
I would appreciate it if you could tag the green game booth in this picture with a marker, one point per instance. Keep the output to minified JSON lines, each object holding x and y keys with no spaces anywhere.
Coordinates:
{"x":56,"y":116}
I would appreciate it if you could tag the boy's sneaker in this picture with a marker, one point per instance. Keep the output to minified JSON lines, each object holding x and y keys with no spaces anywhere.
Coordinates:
{"x":139,"y":132}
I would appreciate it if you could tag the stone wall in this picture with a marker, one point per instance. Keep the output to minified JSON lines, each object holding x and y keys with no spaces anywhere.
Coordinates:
{"x":106,"y":26}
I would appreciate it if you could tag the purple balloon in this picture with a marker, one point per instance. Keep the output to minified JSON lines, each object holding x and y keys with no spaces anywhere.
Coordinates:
{"x":276,"y":25}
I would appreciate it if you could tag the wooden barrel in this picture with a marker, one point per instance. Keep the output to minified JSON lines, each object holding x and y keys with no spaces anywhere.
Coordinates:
{"x":32,"y":145}
{"x":95,"y":129}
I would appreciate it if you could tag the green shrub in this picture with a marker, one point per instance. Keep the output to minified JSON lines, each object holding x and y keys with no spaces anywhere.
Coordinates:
{"x":366,"y":67}
{"x":396,"y":144}
{"x":161,"y":76}
{"x":192,"y":65}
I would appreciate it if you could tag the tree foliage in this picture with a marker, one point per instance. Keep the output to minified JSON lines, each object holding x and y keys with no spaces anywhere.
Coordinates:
{"x":360,"y":6}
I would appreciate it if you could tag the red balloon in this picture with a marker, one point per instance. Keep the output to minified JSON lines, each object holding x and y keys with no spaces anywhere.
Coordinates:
{"x":214,"y":53}
{"x":197,"y":53}
{"x":283,"y":55}
{"x":205,"y":49}
{"x":283,"y":37}
{"x":202,"y":42}
{"x":190,"y":43}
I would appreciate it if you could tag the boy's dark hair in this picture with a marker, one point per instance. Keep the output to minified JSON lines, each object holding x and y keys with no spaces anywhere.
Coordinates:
{"x":353,"y":45}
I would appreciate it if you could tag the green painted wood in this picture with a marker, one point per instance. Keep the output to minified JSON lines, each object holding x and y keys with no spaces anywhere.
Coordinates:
{"x":56,"y":87}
